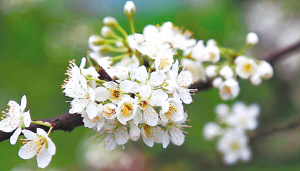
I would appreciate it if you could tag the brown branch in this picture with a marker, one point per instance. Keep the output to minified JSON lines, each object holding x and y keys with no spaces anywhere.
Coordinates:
{"x":276,"y":54}
{"x":65,"y":122}
{"x":68,"y":122}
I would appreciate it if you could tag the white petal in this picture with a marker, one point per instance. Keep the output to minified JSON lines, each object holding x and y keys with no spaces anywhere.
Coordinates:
{"x":41,"y":132}
{"x":29,"y":135}
{"x":150,"y":116}
{"x":26,"y":151}
{"x":158,"y":97}
{"x":23,"y":103}
{"x":111,"y":85}
{"x":43,"y":159}
{"x":141,"y":74}
{"x":145,"y":91}
{"x":91,"y":110}
{"x":157,"y":78}
{"x":13,"y":139}
{"x":185,"y":78}
{"x":185,"y":95}
{"x":27,"y":119}
{"x":110,"y":143}
{"x":176,"y":136}
{"x":101,"y":94}
{"x":166,"y":139}
{"x":134,"y":132}
{"x":126,"y":86}
{"x":51,"y":147}
{"x":121,"y":135}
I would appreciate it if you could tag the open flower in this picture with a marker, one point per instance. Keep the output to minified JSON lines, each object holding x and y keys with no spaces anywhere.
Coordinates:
{"x":127,"y":109}
{"x":37,"y":144}
{"x":15,"y":118}
{"x":245,"y":67}
{"x":229,"y":89}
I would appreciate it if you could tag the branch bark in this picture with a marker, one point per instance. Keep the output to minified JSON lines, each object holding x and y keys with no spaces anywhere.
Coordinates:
{"x":67,"y":122}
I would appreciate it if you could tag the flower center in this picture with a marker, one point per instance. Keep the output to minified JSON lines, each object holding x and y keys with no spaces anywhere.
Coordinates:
{"x":143,"y":103}
{"x":248,"y":68}
{"x":109,"y":112}
{"x":127,"y":110}
{"x":212,"y":56}
{"x":163,"y":63}
{"x":235,"y":145}
{"x":172,"y":109}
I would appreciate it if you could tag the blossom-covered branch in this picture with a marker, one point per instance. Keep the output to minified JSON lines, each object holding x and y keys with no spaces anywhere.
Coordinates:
{"x":67,"y":122}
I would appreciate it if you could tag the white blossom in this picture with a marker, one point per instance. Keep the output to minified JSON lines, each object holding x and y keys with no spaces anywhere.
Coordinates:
{"x":226,"y":72}
{"x":243,"y":117}
{"x":234,"y":146}
{"x":15,"y":118}
{"x":38,"y":144}
{"x":127,"y":109}
{"x":195,"y":67}
{"x":245,"y":67}
{"x":211,"y":71}
{"x":211,"y":130}
{"x":229,"y":89}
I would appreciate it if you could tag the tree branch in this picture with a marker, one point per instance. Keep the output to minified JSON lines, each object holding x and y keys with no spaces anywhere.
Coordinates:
{"x":67,"y":122}
{"x":259,"y":134}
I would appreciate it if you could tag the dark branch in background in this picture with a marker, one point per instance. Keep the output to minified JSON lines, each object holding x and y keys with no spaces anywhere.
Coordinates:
{"x":276,"y":54}
{"x":259,"y":134}
{"x":68,"y":122}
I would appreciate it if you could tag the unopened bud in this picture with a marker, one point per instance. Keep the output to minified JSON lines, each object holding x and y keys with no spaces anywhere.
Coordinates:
{"x":107,"y":32}
{"x":129,"y":9}
{"x":252,"y":39}
{"x":96,"y":40}
{"x":110,"y":21}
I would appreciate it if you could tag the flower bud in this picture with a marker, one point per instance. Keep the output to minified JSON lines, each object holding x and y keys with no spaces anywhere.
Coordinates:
{"x":211,"y":71}
{"x":95,"y":40}
{"x":110,"y":21}
{"x":226,"y":72}
{"x":106,"y":31}
{"x":217,"y":82}
{"x":252,"y":39}
{"x":265,"y":70}
{"x":129,"y":9}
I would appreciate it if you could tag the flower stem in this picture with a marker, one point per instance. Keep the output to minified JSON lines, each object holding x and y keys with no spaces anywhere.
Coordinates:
{"x":49,"y":132}
{"x":47,"y":124}
{"x":122,"y":31}
{"x":92,"y":79}
{"x":116,"y":58}
{"x":131,"y":25}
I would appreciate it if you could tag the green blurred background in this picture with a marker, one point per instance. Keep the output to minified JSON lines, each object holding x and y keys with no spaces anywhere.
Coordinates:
{"x":39,"y":37}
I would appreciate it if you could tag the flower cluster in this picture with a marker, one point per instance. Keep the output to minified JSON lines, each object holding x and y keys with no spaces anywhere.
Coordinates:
{"x":38,"y":144}
{"x":230,"y":130}
{"x":226,"y":73}
{"x":136,"y":85}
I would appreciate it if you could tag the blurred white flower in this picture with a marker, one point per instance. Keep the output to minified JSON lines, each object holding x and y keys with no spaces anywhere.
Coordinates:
{"x":229,"y":89}
{"x":234,"y":146}
{"x":211,"y":130}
